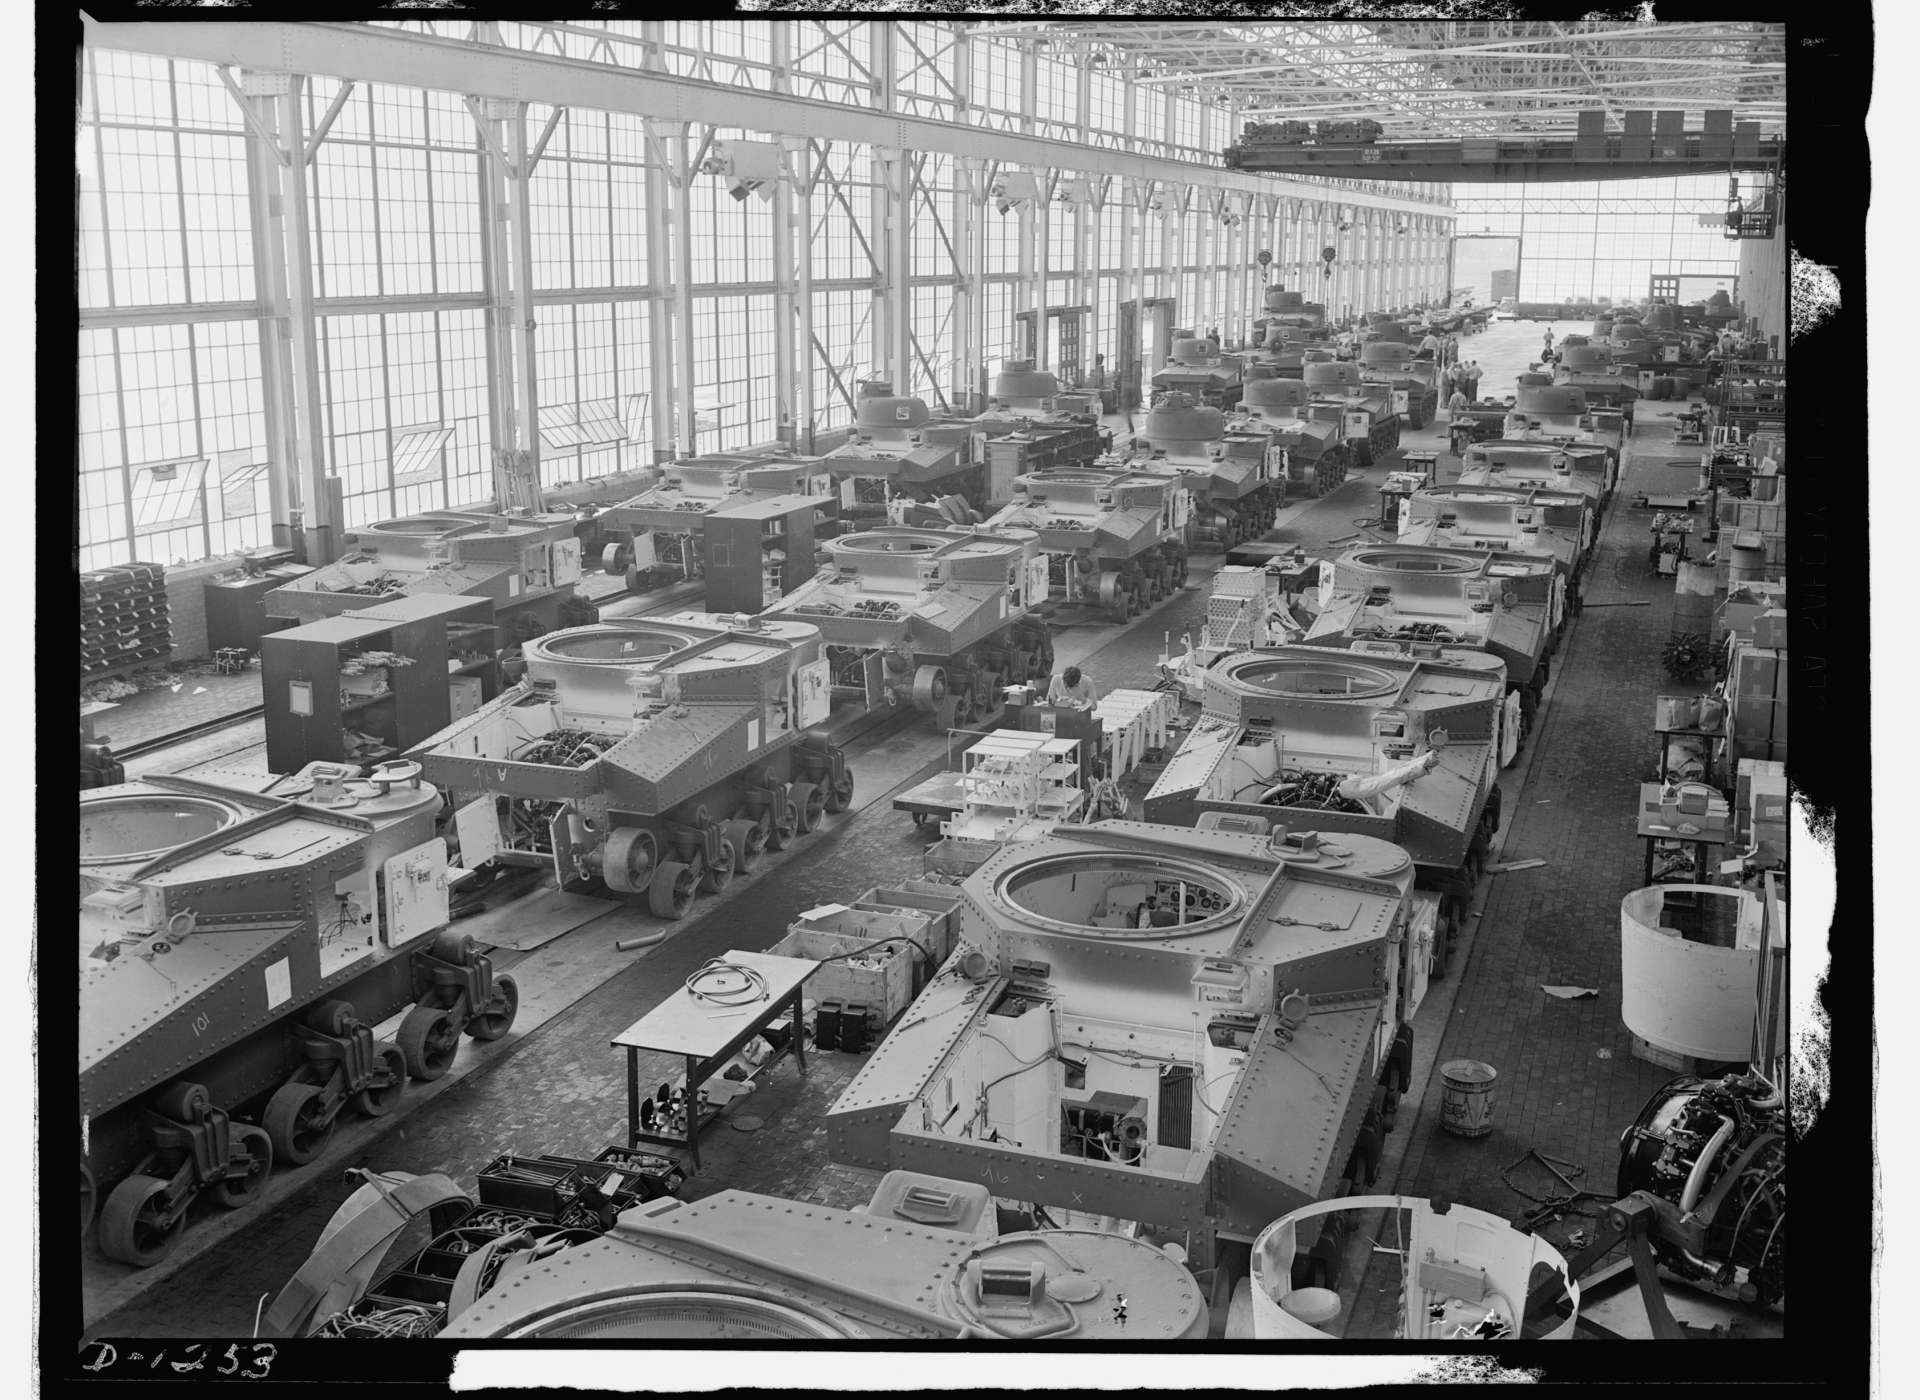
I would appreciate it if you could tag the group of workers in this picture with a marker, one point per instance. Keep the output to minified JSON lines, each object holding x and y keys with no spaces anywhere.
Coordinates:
{"x":1464,"y":382}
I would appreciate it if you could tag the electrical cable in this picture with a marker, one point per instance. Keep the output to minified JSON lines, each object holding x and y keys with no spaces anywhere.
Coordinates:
{"x":754,"y":990}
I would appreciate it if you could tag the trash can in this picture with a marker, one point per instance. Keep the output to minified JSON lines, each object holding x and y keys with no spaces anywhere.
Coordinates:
{"x":1466,"y":1097}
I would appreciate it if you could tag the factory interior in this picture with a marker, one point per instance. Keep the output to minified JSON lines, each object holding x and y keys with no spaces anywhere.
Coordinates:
{"x":1081,"y":680}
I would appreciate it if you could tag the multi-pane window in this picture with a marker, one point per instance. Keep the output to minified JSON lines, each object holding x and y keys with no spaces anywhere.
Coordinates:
{"x":1587,"y":240}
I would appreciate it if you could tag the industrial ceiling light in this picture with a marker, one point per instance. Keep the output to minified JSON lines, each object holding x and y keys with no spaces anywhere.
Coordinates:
{"x":1013,"y":188}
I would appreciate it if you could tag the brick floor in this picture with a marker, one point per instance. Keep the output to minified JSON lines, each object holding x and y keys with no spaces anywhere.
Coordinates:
{"x":1568,"y":1082}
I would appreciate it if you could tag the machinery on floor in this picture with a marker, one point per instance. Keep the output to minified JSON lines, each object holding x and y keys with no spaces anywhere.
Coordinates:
{"x":1414,"y":383}
{"x":1368,"y":424}
{"x":235,"y":950}
{"x":1707,"y":1158}
{"x":1400,"y":748}
{"x":1310,"y":434}
{"x":1248,"y":608}
{"x":1506,"y":519}
{"x":668,"y":530}
{"x":1510,"y":605}
{"x":899,"y":453}
{"x":654,"y":756}
{"x":1198,"y":370}
{"x":1113,"y":540}
{"x":941,"y":619}
{"x":1193,"y":1030}
{"x":1234,"y":469}
{"x":525,"y":564}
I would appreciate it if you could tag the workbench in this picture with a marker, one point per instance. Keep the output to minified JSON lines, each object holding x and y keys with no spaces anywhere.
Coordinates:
{"x":708,"y":1035}
{"x":1715,"y":829}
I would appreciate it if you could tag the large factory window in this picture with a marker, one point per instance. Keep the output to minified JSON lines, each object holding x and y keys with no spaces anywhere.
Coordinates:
{"x":843,"y":355}
{"x":836,"y":54}
{"x":924,"y":57}
{"x":1056,"y":98}
{"x":1589,"y":240}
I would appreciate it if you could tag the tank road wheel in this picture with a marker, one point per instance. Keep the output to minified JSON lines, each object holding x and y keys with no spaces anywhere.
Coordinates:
{"x":390,"y":1079}
{"x":809,"y":803}
{"x":840,"y":793}
{"x":616,"y":558}
{"x":749,"y":843}
{"x":256,"y":1145}
{"x":491,"y":1025}
{"x":627,"y":859}
{"x":929,"y":689}
{"x":428,"y":1040}
{"x":720,"y":870}
{"x":297,"y":1122}
{"x":1112,"y":594}
{"x":671,"y":893}
{"x":133,"y":1227}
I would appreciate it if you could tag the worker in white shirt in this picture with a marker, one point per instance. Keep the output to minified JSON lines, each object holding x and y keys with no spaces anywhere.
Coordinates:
{"x":1430,"y":347}
{"x":1072,"y":687}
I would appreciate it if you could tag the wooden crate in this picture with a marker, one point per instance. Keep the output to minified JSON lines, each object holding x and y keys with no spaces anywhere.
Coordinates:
{"x":886,"y":987}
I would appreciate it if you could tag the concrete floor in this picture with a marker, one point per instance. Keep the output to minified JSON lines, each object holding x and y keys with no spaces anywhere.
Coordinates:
{"x":1568,"y":1084}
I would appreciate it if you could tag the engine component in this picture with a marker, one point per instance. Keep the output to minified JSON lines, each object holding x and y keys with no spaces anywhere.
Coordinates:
{"x":1713,"y":1151}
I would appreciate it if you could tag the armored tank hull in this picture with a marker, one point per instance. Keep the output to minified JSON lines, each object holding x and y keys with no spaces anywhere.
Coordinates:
{"x":235,"y":950}
{"x":1113,"y":540}
{"x":1396,"y":746}
{"x":941,"y":619}
{"x":1061,"y":1053}
{"x":654,"y":757}
{"x":1232,"y":467}
{"x":1413,"y":383}
{"x":526,"y":566}
{"x":1509,"y":604}
{"x":1369,"y":426}
{"x":1559,"y":523}
{"x":1532,"y":464}
{"x":1310,"y":436}
{"x":900,"y":454}
{"x":1198,"y":370}
{"x":660,"y":533}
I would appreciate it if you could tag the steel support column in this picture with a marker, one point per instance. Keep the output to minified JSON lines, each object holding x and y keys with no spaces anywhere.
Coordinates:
{"x":280,"y":403}
{"x":319,"y":529}
{"x":785,"y":376}
{"x":679,"y":216}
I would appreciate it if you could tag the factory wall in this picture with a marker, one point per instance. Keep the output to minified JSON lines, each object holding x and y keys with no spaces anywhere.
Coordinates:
{"x":645,"y":283}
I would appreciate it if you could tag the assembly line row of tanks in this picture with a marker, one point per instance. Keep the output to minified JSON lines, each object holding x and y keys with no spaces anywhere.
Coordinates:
{"x":239,"y":941}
